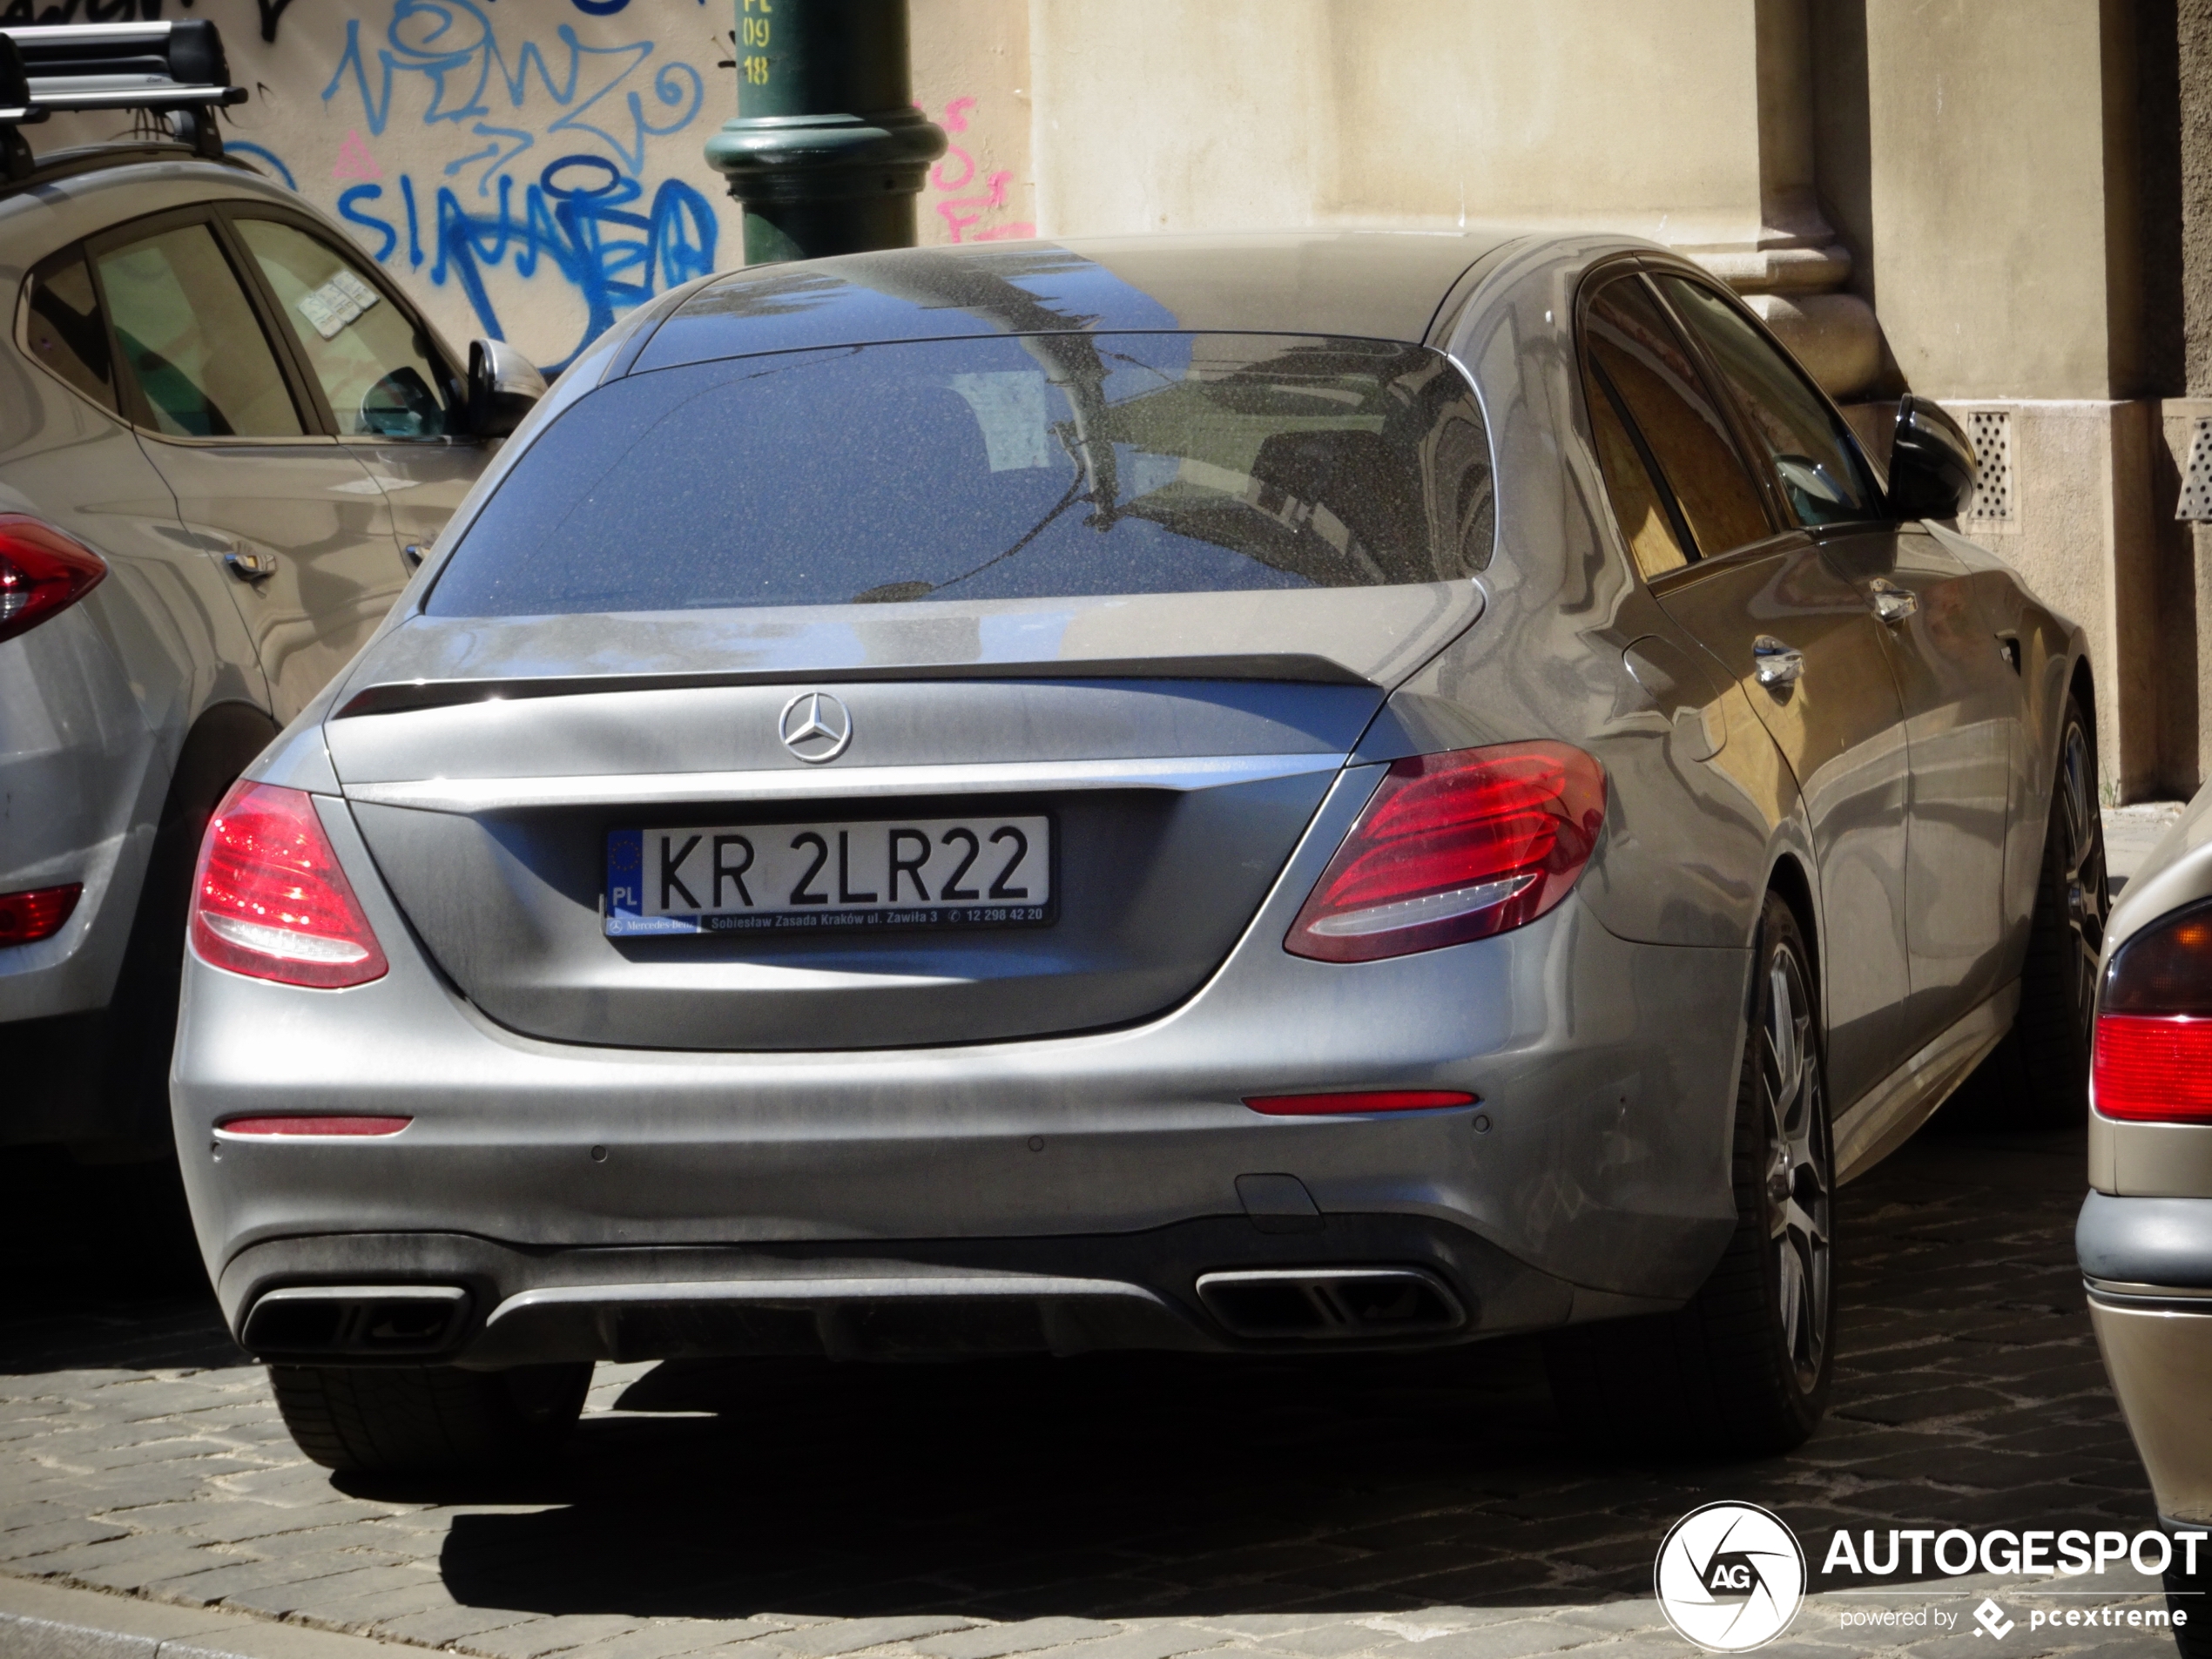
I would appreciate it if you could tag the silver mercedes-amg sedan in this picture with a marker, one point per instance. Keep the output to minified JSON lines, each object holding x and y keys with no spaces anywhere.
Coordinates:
{"x":1247,"y":795}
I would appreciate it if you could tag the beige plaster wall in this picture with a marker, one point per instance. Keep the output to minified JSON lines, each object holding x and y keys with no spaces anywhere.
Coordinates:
{"x":1989,"y":199}
{"x":2084,"y":538}
{"x":1248,"y":114}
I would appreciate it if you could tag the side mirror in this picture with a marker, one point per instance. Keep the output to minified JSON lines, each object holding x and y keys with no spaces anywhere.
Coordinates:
{"x":1932,"y":463}
{"x":503,"y":387}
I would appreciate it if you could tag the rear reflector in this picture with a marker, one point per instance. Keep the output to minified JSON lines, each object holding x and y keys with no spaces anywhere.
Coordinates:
{"x":40,"y":571}
{"x":269,"y":900}
{"x":1372,"y":1100}
{"x":2151,"y":1068}
{"x":299,"y":1124}
{"x":37,"y":914}
{"x":1452,"y":848}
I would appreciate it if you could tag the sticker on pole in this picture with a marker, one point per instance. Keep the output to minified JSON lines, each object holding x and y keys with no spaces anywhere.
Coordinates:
{"x":1731,"y":1577}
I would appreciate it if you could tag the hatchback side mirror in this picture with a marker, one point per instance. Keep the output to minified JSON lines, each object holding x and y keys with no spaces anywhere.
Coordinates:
{"x":1932,"y":463}
{"x":503,"y":387}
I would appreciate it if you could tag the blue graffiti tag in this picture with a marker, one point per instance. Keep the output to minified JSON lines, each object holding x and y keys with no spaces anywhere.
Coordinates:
{"x":451,"y":45}
{"x":585,"y":215}
{"x":577,"y":216}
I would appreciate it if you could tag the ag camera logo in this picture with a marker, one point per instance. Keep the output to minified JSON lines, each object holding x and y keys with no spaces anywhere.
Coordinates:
{"x":1731,"y":1577}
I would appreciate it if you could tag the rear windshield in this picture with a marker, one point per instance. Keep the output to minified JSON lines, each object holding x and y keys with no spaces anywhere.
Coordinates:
{"x":1013,"y":467}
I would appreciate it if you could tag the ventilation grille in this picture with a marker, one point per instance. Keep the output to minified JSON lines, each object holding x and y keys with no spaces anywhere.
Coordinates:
{"x":1995,"y":500}
{"x":2197,"y":478}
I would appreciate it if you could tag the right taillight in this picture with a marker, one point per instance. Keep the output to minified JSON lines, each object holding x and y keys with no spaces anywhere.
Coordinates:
{"x":269,"y":900}
{"x":2153,"y":1050}
{"x":1452,"y":848}
{"x":41,"y":571}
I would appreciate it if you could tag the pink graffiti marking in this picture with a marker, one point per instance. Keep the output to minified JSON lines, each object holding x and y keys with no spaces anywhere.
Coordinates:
{"x":961,"y":213}
{"x":355,"y":161}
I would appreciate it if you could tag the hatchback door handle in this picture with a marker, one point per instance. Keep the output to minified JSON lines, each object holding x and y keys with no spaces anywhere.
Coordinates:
{"x":1892,"y":603}
{"x":1775,"y":664}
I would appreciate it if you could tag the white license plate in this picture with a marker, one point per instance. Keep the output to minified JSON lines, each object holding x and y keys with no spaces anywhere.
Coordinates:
{"x":982,"y":871}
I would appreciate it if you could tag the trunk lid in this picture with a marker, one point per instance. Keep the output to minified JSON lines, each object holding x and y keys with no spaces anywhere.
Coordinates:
{"x":1178,"y":745}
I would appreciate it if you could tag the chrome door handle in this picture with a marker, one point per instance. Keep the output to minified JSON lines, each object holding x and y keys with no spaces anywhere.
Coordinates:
{"x":1892,"y":603}
{"x":1775,"y":664}
{"x":414,"y":553}
{"x":251,"y":567}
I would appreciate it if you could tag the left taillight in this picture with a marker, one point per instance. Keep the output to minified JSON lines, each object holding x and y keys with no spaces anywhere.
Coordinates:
{"x":41,"y":571}
{"x":1452,"y":848}
{"x":269,"y":900}
{"x":2154,"y":1046}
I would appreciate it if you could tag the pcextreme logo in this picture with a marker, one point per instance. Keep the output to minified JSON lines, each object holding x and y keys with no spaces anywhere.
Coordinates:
{"x":1731,"y":1577}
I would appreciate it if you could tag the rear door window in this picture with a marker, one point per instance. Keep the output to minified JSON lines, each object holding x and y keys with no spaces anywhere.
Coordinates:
{"x":1019,"y":466}
{"x":1637,"y":351}
{"x":1639,"y":501}
{"x":376,"y":370}
{"x":64,"y":327}
{"x":191,"y":346}
{"x":1812,"y":454}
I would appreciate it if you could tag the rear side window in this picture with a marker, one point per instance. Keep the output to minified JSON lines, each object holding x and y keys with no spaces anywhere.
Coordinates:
{"x":1016,"y":467}
{"x":189,"y":337}
{"x":1639,"y":506}
{"x":64,"y":327}
{"x":1635,"y":348}
{"x":1813,"y":455}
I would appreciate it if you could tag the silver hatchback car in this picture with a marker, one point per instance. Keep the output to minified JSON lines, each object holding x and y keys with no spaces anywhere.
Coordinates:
{"x":1247,"y":795}
{"x":221,"y":432}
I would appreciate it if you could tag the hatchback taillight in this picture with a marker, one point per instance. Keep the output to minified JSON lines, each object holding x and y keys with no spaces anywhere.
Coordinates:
{"x":2153,"y":1052}
{"x":40,"y":571}
{"x":269,"y":900}
{"x":1455,"y":846}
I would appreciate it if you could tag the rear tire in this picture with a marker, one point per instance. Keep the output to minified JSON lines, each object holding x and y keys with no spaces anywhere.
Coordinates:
{"x":382,"y":1420}
{"x":1745,"y":1368}
{"x":2052,"y":1034}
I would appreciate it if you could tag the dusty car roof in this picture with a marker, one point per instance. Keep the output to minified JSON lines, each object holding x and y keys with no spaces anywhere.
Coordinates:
{"x":1381,"y":285}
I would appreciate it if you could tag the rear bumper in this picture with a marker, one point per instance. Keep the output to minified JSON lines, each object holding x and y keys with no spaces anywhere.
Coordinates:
{"x":2148,"y":1263}
{"x":1594,"y":1169}
{"x":1217,"y":1286}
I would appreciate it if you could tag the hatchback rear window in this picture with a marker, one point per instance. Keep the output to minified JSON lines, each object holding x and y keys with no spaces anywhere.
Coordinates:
{"x":1014,"y":467}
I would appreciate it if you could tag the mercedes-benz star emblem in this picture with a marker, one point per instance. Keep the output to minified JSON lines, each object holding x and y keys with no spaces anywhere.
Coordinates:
{"x":815,"y":726}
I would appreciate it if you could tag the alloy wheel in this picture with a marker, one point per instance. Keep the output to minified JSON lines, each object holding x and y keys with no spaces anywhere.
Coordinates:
{"x":1799,"y":1179}
{"x":2081,"y":861}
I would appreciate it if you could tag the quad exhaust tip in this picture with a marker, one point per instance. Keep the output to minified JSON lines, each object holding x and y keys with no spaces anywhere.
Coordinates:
{"x":1331,"y":1304}
{"x":327,"y":1321}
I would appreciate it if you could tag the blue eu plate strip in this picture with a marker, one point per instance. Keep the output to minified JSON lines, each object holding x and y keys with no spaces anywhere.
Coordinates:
{"x":626,"y":890}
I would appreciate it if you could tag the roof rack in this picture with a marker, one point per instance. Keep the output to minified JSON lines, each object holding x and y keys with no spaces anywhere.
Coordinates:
{"x":176,"y":67}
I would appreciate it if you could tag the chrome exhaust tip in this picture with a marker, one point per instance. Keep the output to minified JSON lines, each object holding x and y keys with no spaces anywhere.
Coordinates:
{"x":353,"y":1321}
{"x":1331,"y":1303}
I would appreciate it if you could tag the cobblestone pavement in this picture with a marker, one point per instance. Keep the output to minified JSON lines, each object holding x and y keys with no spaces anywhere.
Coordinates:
{"x":1130,"y":1507}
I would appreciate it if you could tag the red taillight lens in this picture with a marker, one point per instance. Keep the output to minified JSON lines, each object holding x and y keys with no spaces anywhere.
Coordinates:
{"x":269,"y":900}
{"x":1371,"y":1100}
{"x":1452,"y":848}
{"x":2153,"y":1052}
{"x":306,"y":1123}
{"x":37,"y":914}
{"x":40,"y":571}
{"x":2154,"y":1070}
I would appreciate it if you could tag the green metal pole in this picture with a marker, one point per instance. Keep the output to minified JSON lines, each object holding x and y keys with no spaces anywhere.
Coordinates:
{"x":827,"y":153}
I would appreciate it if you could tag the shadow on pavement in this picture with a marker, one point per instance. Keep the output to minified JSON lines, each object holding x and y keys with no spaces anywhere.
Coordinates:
{"x":1969,"y":1394}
